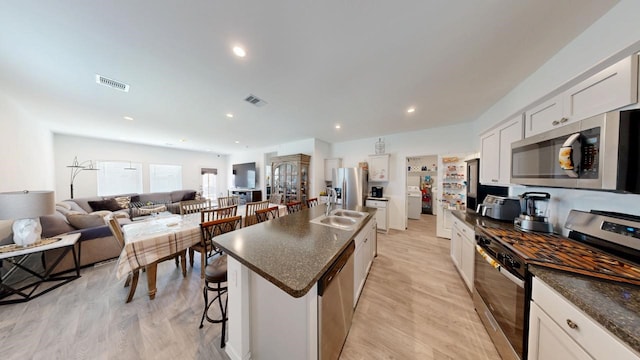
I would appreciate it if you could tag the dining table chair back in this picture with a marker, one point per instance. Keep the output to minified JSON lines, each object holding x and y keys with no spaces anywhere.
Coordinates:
{"x":219,"y":213}
{"x":312,"y":202}
{"x":209,"y":229}
{"x":294,"y":206}
{"x":228,"y":201}
{"x":194,"y":206}
{"x":132,"y":278}
{"x":250,"y":215}
{"x":267,"y":214}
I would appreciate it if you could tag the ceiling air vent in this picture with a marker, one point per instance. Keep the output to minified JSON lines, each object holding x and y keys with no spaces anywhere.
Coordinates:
{"x":112,"y":83}
{"x":252,"y":99}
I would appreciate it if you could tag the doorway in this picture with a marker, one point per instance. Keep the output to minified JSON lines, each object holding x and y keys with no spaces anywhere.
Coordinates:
{"x":421,"y":187}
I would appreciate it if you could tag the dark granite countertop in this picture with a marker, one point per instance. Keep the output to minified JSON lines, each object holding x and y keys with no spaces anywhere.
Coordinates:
{"x":289,"y":251}
{"x":614,"y":305}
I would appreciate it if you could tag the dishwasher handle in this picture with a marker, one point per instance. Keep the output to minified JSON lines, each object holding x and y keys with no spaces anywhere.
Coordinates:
{"x":335,"y":268}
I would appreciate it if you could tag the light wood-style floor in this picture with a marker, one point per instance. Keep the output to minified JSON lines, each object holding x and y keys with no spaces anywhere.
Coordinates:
{"x":414,"y":306}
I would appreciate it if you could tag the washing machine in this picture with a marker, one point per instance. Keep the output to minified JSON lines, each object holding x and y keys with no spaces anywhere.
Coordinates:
{"x":414,"y":200}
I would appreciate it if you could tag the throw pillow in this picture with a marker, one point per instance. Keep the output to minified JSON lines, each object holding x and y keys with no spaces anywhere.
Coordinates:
{"x":108,"y":204}
{"x":123,"y":201}
{"x":83,"y":221}
{"x":189,"y":196}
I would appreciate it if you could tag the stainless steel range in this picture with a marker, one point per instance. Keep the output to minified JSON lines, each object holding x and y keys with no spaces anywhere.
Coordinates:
{"x":600,"y":244}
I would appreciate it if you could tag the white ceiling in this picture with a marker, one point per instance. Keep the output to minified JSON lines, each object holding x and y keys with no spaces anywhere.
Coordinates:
{"x":356,"y":63}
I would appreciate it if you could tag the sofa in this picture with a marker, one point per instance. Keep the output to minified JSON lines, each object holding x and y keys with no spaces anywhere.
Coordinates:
{"x":86,"y":216}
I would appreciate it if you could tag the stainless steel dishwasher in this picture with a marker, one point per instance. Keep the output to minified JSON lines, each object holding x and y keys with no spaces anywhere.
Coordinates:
{"x":335,"y":305}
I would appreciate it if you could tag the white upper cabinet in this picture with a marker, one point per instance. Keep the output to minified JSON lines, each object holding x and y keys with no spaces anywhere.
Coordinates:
{"x":329,"y":165}
{"x":379,"y":168}
{"x":610,"y":89}
{"x":495,"y":152}
{"x":544,"y":117}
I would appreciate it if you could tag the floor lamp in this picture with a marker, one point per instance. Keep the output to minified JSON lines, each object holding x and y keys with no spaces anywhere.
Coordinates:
{"x":77,"y":167}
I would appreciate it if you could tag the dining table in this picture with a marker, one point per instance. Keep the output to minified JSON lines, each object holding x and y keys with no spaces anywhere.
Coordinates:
{"x":157,"y":237}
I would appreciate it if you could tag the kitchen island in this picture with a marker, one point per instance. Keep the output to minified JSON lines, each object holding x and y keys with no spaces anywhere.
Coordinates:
{"x":273,"y":270}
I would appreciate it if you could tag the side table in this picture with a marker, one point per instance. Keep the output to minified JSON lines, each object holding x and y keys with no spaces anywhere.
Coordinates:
{"x":29,"y":288}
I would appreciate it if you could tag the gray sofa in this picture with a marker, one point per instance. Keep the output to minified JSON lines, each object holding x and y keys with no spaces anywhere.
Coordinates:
{"x":85,"y":216}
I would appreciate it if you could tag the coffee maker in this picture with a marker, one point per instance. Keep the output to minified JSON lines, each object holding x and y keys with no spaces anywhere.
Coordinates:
{"x":534,"y":210}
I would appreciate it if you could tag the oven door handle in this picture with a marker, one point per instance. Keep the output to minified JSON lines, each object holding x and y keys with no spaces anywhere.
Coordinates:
{"x":496,"y":265}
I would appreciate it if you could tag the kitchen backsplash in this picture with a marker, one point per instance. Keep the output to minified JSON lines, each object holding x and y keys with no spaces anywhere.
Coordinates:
{"x":565,"y":200}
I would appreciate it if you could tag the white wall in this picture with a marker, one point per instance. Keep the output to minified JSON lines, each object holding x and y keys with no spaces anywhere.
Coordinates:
{"x":26,"y":148}
{"x":67,"y":147}
{"x":453,"y":139}
{"x":322,"y":150}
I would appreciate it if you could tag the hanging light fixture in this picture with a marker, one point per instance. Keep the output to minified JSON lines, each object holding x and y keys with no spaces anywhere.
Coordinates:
{"x":77,"y":167}
{"x":130,"y":167}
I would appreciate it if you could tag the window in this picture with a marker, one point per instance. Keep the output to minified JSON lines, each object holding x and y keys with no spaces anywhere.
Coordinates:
{"x":209,"y":183}
{"x":165,"y":178}
{"x":118,"y":177}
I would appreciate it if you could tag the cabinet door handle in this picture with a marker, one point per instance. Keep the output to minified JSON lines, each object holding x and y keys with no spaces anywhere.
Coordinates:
{"x":572,"y":324}
{"x":555,"y":123}
{"x":494,"y":180}
{"x":564,"y":120}
{"x":367,"y":239}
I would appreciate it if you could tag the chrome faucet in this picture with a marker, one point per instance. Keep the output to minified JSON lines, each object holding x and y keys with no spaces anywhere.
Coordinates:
{"x":332,"y":199}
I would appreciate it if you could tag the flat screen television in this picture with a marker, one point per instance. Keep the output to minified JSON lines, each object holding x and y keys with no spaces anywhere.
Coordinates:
{"x":244,"y":175}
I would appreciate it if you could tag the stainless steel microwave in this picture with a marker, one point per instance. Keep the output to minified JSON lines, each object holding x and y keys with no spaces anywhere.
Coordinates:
{"x":601,"y":152}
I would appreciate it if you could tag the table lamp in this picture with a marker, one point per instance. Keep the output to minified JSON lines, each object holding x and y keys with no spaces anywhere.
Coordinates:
{"x":25,"y":208}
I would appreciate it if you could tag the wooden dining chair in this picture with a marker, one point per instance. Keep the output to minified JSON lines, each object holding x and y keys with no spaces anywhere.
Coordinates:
{"x":267,"y":214}
{"x":228,"y":201}
{"x":312,"y":202}
{"x":194,"y":206}
{"x":219,"y":213}
{"x":250,"y":215}
{"x":132,"y":278}
{"x":294,"y":206}
{"x":208,"y":230}
{"x":216,"y":272}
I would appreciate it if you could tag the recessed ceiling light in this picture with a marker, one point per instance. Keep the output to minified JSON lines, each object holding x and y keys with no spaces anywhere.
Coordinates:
{"x":410,"y":110}
{"x":128,"y":118}
{"x":237,"y":142}
{"x":183,"y":140}
{"x":239,"y":51}
{"x":337,"y":126}
{"x":229,"y":115}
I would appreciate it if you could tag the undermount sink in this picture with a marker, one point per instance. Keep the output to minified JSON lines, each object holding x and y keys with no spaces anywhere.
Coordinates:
{"x":340,"y":219}
{"x":349,"y":213}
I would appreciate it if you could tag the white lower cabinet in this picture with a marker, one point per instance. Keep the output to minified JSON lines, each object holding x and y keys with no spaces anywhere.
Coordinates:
{"x":363,"y":258}
{"x":463,"y":250}
{"x":559,"y":330}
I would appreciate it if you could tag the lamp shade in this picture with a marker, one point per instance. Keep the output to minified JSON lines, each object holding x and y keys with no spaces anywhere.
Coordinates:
{"x":26,"y":204}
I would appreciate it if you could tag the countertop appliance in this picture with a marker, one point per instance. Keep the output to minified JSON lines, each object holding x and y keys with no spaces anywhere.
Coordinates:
{"x":600,"y":244}
{"x":601,"y":152}
{"x":352,"y":186}
{"x":476,"y":192}
{"x":376,"y":191}
{"x":335,"y":305}
{"x":534,"y":212}
{"x":499,"y":207}
{"x":414,"y":202}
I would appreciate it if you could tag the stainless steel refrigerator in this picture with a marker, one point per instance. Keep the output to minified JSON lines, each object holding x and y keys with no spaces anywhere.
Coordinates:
{"x":352,"y":186}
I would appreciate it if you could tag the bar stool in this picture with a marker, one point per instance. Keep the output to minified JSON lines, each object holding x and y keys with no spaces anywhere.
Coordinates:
{"x":216,"y":274}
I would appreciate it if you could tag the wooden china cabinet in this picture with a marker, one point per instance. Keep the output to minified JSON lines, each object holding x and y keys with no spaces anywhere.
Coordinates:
{"x":290,"y":177}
